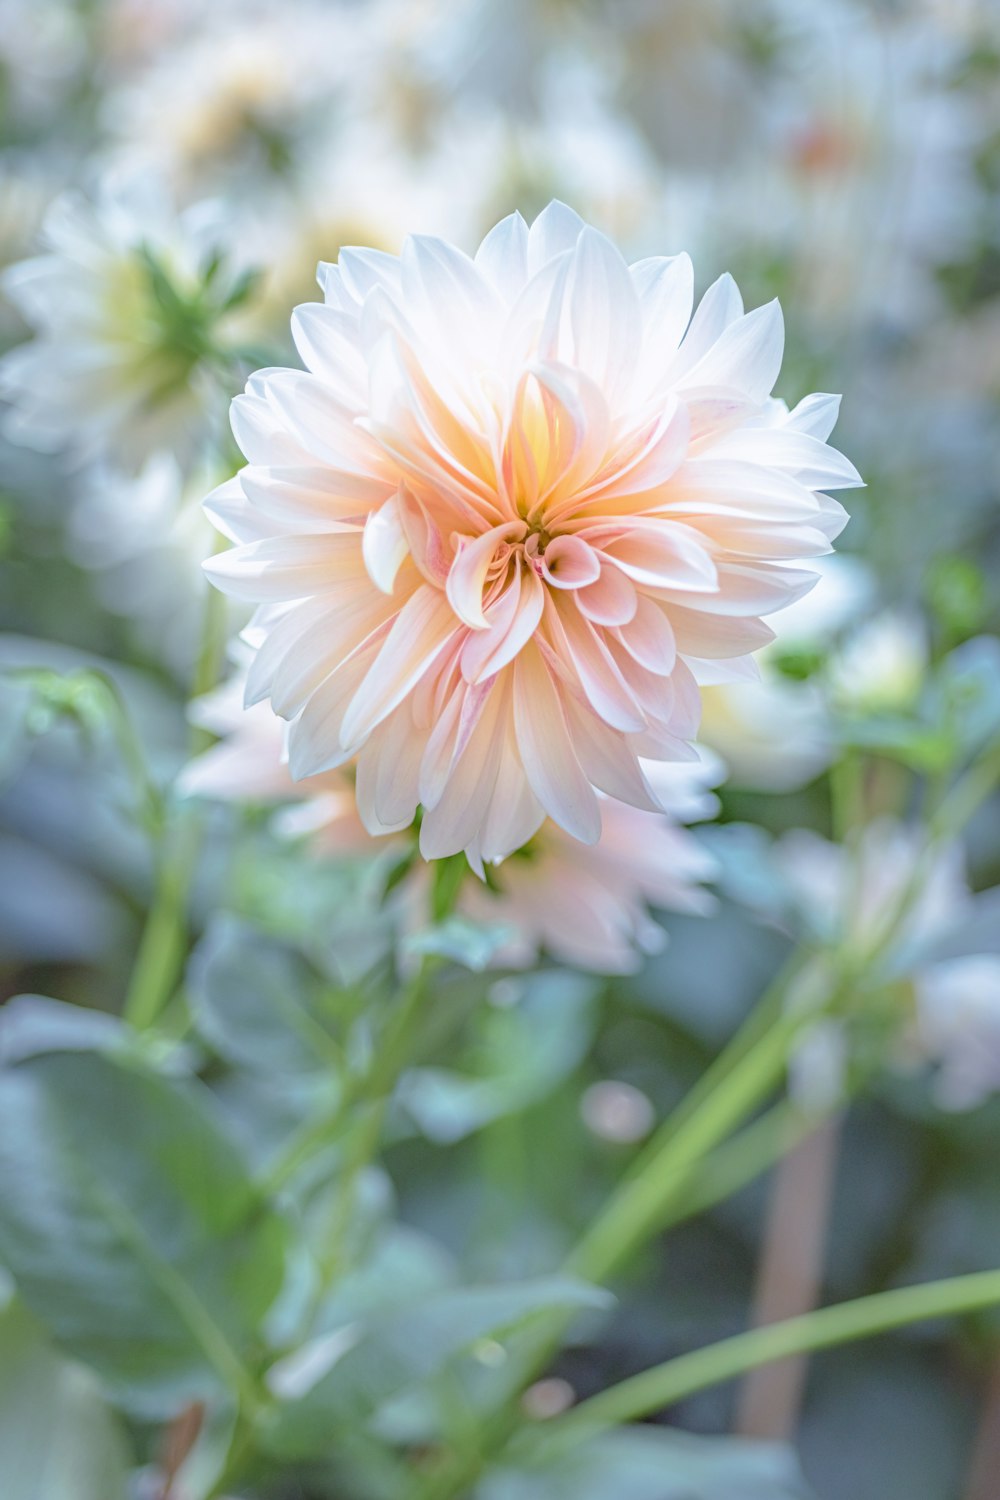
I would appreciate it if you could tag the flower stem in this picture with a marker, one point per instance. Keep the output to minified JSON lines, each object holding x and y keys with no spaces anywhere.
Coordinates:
{"x":391,"y":1059}
{"x":163,"y":945}
{"x":641,"y":1203}
{"x":668,"y":1383}
{"x":164,"y":939}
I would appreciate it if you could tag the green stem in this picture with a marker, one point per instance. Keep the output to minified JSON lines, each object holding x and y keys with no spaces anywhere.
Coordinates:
{"x":668,"y":1383}
{"x":164,"y":940}
{"x":163,"y":945}
{"x":391,"y":1058}
{"x":742,"y":1159}
{"x":639,"y":1206}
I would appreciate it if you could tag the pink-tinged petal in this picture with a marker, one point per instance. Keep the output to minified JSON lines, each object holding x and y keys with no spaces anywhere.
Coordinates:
{"x":421,"y":630}
{"x":386,"y":784}
{"x":511,"y":621}
{"x":556,"y":230}
{"x":461,"y":811}
{"x":650,"y":467}
{"x":431,"y":554}
{"x":550,"y":763}
{"x":311,"y":497}
{"x":503,"y":257}
{"x":748,"y":588}
{"x":578,"y":427}
{"x":712,"y":413}
{"x":658,"y":554}
{"x":612,"y":600}
{"x":314,"y":739}
{"x":300,"y":623}
{"x":649,"y":638}
{"x":568,"y":563}
{"x":439,"y":751}
{"x":467,"y":576}
{"x":515,"y":814}
{"x":384,"y":545}
{"x":608,"y":759}
{"x":356,"y":624}
{"x":578,"y":645}
{"x":286,"y":567}
{"x":746,"y":356}
{"x":704,"y":635}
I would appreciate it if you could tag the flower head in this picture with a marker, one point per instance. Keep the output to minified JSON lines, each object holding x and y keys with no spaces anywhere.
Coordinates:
{"x":127,"y":304}
{"x":504,"y":516}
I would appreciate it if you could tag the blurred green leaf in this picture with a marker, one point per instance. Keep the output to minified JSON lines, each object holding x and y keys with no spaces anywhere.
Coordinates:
{"x":463,"y":941}
{"x":344,"y":1377}
{"x":58,"y":1439}
{"x":259,"y":1003}
{"x":516,"y":1055}
{"x":127,"y":1217}
{"x":654,"y":1463}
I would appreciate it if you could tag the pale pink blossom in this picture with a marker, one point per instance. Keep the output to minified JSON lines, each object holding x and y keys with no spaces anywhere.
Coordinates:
{"x":511,"y":513}
{"x":588,"y":906}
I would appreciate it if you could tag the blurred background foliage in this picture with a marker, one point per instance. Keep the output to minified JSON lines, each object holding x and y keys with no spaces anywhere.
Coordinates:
{"x":844,"y":157}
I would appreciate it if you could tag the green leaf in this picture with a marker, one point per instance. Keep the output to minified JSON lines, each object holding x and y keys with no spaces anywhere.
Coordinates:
{"x":58,"y":1439}
{"x":127,"y":1217}
{"x":343,"y":1378}
{"x":463,"y":941}
{"x":518,"y":1053}
{"x":259,"y":1004}
{"x":654,"y":1463}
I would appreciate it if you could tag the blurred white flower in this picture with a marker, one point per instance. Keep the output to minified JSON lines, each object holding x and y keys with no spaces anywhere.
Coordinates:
{"x":881,"y":667}
{"x":234,"y":93}
{"x":775,"y":734}
{"x":127,"y":311}
{"x":958,"y":1027}
{"x":878,"y":894}
{"x":145,"y":538}
{"x":853,"y":896}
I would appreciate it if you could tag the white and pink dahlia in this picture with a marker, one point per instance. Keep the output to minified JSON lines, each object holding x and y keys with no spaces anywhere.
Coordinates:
{"x":509,"y":515}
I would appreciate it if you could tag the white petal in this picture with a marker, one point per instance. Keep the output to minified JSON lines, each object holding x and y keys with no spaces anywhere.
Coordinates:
{"x":550,"y":764}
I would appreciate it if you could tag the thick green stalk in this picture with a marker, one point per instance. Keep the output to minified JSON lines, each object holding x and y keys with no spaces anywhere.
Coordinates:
{"x":642,"y":1202}
{"x":668,"y":1383}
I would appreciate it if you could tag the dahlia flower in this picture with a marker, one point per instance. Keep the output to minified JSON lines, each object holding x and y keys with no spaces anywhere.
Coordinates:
{"x":511,"y":511}
{"x":585,"y":906}
{"x":127,"y":304}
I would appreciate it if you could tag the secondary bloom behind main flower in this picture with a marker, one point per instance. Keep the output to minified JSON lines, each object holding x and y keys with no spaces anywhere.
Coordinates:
{"x":585,"y":906}
{"x":511,"y":512}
